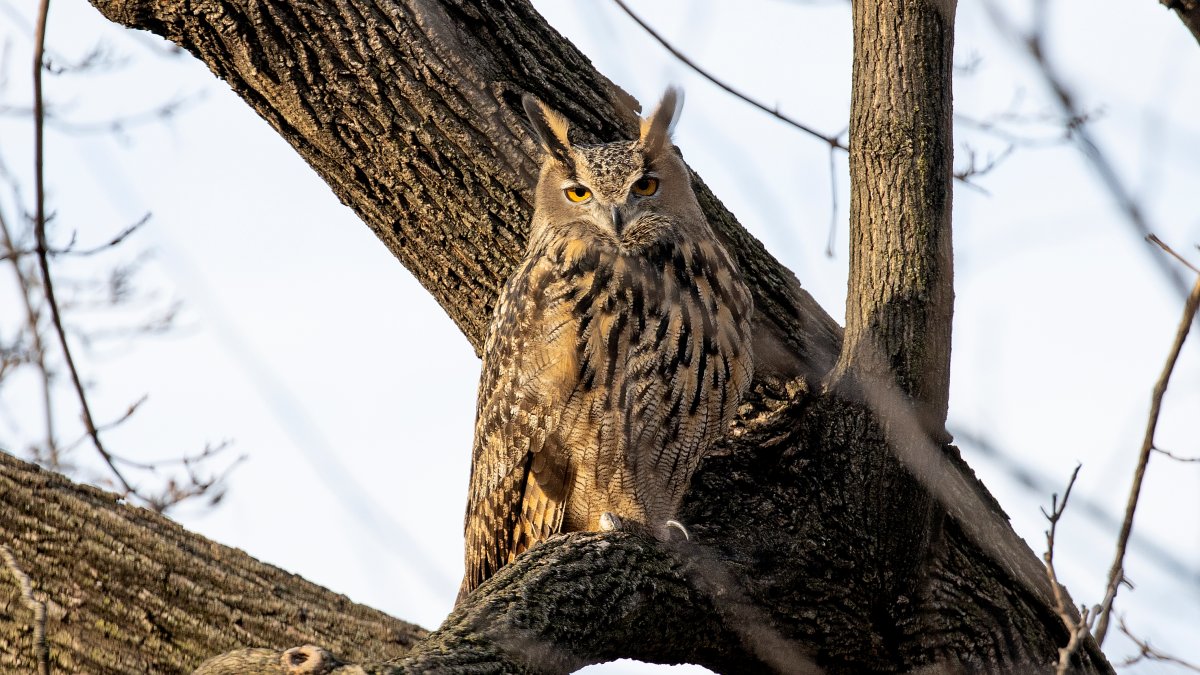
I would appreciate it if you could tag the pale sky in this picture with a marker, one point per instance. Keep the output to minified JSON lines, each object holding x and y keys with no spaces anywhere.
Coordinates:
{"x":307,"y":344}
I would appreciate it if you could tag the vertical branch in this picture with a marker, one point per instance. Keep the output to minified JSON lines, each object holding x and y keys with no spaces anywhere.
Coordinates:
{"x":43,"y":252}
{"x":32,"y":320}
{"x":1116,"y":574}
{"x":1077,"y":626}
{"x":901,"y":294}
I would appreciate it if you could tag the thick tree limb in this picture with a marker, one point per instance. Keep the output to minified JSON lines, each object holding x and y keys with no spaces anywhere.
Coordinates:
{"x":1188,"y":12}
{"x":129,"y":591}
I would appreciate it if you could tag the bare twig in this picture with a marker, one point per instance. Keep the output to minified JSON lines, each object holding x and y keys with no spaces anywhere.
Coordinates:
{"x":1000,"y":124}
{"x":11,"y":253}
{"x":1177,"y":458}
{"x":1037,"y":483}
{"x":133,"y":407}
{"x":1077,"y":627}
{"x":1160,"y":387}
{"x":833,"y":141}
{"x":42,"y":249}
{"x":175,"y":491}
{"x":1153,"y":239}
{"x":119,"y":125}
{"x":209,"y":452}
{"x":41,"y":651}
{"x":1148,"y":653}
{"x":38,"y":355}
{"x":1033,"y":43}
{"x":974,"y":170}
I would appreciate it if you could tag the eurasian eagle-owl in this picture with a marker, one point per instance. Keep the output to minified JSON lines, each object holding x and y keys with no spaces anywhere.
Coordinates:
{"x":618,"y":352}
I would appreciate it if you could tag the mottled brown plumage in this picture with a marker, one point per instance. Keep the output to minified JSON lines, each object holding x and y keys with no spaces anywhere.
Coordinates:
{"x":618,"y":352}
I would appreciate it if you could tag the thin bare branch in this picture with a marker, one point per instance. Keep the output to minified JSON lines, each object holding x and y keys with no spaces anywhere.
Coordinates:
{"x":833,"y":141}
{"x":37,"y":355}
{"x":1153,"y":239}
{"x":1032,"y":42}
{"x":1095,"y":510}
{"x":42,"y":250}
{"x":1177,"y":458}
{"x":133,"y":407}
{"x":1160,"y":388}
{"x":1077,"y":627}
{"x":119,"y":125}
{"x":209,"y":452}
{"x":70,"y":250}
{"x":1146,"y":652}
{"x":1001,"y":125}
{"x":196,"y":485}
{"x":41,"y":651}
{"x":975,"y":170}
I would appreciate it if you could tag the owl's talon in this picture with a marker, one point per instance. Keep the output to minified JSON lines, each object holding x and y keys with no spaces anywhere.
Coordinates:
{"x":609,"y":522}
{"x":679,"y":526}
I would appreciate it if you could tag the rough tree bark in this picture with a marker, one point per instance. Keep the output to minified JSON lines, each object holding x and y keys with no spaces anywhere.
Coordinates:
{"x":834,"y":530}
{"x":1188,"y":12}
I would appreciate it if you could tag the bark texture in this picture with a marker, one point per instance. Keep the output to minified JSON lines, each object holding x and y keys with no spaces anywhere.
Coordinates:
{"x":1188,"y":12}
{"x":901,"y":293}
{"x":813,"y":541}
{"x":129,"y":591}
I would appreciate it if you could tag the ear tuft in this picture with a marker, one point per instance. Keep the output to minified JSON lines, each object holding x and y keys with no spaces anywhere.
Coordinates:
{"x":657,"y":128}
{"x":550,"y":127}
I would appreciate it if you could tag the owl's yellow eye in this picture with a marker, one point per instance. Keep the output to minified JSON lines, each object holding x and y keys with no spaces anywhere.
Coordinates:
{"x":646,"y":186}
{"x":578,"y":194}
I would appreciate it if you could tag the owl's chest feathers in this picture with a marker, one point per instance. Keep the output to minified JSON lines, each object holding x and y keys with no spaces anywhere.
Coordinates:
{"x":612,"y":325}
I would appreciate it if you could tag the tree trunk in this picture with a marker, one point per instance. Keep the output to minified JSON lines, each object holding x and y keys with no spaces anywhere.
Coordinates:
{"x":817,"y":539}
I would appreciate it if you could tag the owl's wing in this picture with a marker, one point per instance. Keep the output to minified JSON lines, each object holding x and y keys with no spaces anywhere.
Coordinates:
{"x":519,"y":474}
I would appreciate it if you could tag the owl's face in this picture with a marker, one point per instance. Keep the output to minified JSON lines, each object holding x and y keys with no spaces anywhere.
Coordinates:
{"x":627,"y":194}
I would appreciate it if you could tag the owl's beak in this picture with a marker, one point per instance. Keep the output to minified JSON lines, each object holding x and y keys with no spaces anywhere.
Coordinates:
{"x":618,"y":220}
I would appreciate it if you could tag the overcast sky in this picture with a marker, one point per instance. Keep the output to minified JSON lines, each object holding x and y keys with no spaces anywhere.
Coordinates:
{"x":303,"y":341}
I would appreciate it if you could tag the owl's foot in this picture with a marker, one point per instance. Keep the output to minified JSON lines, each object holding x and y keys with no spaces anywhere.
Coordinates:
{"x":609,"y":522}
{"x":679,"y":526}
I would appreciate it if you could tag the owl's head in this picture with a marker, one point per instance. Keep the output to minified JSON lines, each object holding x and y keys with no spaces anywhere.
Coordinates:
{"x":628,"y":194}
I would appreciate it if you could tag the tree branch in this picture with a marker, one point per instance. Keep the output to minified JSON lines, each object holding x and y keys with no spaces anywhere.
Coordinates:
{"x":901,"y":295}
{"x":832,"y":141}
{"x":1188,"y":12}
{"x":1116,"y":573}
{"x":133,"y":592}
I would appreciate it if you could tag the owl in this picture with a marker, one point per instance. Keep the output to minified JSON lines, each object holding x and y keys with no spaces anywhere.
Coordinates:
{"x":617,"y":354}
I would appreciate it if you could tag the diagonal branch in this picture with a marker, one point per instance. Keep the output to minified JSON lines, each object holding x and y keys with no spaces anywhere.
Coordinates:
{"x":1032,"y":42}
{"x":833,"y":141}
{"x":1188,"y":12}
{"x":1116,"y":573}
